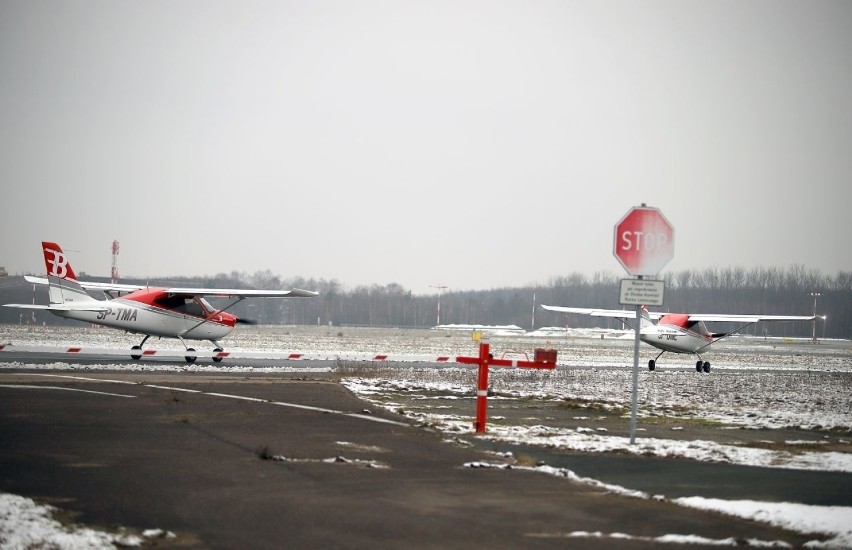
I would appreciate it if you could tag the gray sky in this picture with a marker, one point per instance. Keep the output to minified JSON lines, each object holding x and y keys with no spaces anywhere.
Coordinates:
{"x":470,"y":144}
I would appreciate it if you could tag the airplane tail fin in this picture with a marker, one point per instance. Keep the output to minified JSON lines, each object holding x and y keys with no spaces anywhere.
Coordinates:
{"x":645,"y":319}
{"x":62,"y":280}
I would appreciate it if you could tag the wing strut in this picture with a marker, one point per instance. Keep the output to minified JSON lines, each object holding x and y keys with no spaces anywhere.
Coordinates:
{"x":725,"y":335}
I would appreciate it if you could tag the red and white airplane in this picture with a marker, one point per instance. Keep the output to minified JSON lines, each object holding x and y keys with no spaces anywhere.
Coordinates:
{"x":180,"y":313}
{"x":679,"y":332}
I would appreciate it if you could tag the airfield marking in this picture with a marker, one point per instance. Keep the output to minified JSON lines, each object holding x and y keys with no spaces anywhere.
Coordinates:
{"x":28,"y":387}
{"x":225,"y":395}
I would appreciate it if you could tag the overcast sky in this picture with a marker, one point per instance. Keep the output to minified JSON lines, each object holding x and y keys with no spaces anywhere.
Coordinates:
{"x":471,"y":144}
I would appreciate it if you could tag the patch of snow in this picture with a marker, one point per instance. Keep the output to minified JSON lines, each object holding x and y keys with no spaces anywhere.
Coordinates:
{"x":831,"y":521}
{"x":834,"y":522}
{"x":25,"y":524}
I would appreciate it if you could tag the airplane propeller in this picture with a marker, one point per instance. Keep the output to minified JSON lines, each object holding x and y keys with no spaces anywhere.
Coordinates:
{"x":242,"y":321}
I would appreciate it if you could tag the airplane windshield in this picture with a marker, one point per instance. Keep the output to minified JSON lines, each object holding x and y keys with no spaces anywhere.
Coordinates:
{"x":206,"y":305}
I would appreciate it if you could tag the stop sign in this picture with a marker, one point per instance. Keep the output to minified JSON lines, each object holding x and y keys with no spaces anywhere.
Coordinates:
{"x":644,"y":241}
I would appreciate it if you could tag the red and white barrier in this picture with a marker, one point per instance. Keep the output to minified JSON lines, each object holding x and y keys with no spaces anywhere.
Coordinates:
{"x":179,"y":353}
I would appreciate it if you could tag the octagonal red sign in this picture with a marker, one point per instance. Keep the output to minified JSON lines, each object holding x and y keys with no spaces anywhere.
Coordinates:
{"x":644,"y":241}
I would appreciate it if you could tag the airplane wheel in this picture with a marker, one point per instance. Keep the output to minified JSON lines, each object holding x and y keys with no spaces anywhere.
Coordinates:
{"x":698,"y":366}
{"x":136,"y":356}
{"x":217,"y":359}
{"x":190,"y":358}
{"x":706,"y":366}
{"x":652,"y":364}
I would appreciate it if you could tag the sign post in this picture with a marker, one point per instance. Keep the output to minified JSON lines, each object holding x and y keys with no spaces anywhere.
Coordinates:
{"x":643,"y":243}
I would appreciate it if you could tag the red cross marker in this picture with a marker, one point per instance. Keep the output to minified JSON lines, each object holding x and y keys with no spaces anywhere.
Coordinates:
{"x":484,"y":361}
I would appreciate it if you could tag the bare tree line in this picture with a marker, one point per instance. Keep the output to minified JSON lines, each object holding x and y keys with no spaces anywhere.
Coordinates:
{"x":769,"y":290}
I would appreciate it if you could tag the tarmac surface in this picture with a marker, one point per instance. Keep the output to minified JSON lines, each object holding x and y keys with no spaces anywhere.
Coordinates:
{"x":271,"y":461}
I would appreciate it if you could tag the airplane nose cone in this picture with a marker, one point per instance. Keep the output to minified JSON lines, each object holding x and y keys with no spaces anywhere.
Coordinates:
{"x":228,"y":319}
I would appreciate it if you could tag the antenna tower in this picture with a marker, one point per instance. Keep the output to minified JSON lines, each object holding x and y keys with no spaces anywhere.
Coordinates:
{"x":114,"y":274}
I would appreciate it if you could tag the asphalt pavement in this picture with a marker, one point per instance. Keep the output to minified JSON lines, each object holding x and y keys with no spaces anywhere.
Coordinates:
{"x":271,"y":461}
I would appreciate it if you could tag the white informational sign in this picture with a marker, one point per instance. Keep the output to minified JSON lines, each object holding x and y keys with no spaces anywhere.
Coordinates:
{"x":642,"y":292}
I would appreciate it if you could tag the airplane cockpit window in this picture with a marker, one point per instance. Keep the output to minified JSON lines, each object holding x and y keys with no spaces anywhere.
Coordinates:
{"x":191,"y":307}
{"x":182,"y":304}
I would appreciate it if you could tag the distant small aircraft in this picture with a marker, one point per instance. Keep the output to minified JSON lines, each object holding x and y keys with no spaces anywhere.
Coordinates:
{"x":679,"y":332}
{"x":180,"y":313}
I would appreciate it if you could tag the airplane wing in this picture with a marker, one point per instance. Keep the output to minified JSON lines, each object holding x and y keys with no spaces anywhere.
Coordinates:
{"x":748,"y":318}
{"x":595,"y":312}
{"x":189,"y":291}
{"x":242,"y":293}
{"x":623,"y":313}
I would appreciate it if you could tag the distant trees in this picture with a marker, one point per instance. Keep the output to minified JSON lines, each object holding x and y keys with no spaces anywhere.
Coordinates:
{"x":727,"y":290}
{"x":732,"y":290}
{"x":768,"y":290}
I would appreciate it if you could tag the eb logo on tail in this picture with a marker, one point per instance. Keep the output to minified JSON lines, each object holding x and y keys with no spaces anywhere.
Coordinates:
{"x":56,"y":262}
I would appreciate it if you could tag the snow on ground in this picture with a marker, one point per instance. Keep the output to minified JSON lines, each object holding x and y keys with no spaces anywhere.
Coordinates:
{"x":709,"y":451}
{"x":740,"y":399}
{"x":760,"y":385}
{"x":576,"y":347}
{"x":831,"y":522}
{"x":834,"y":522}
{"x":25,"y":524}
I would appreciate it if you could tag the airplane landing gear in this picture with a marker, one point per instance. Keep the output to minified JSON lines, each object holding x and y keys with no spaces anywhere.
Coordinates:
{"x":217,"y":349}
{"x":136,"y":351}
{"x":652,"y":363}
{"x":190,"y":352}
{"x":700,"y":365}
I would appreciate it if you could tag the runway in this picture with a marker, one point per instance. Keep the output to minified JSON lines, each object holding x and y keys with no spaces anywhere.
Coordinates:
{"x":237,"y":458}
{"x":222,"y":463}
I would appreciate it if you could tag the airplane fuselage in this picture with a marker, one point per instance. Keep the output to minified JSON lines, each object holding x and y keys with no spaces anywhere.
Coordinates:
{"x":674,"y":339}
{"x":140,"y":318}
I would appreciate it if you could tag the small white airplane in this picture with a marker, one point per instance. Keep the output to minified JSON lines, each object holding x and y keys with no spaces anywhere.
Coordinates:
{"x":180,"y":313}
{"x":679,"y":332}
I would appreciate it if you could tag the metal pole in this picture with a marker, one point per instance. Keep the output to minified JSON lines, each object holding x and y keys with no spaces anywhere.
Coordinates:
{"x":440,"y":289}
{"x":813,"y":335}
{"x":634,"y":401}
{"x":532,"y":324}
